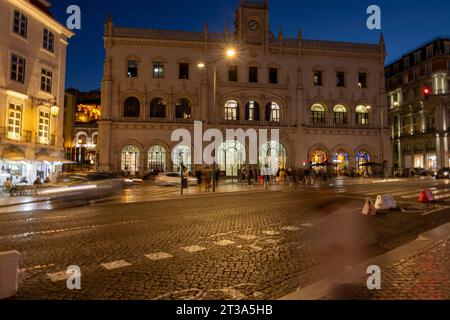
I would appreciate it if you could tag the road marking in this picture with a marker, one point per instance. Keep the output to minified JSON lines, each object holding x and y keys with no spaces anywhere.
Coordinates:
{"x":58,"y":276}
{"x":115,"y":265}
{"x":193,"y":248}
{"x":248,"y":237}
{"x":290,"y":228}
{"x":255,"y":247}
{"x":271,"y":232}
{"x":158,"y":256}
{"x":433,"y":211}
{"x":307,"y":225}
{"x":224,"y":243}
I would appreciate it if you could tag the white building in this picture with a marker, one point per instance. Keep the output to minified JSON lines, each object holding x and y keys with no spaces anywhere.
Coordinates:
{"x":327,"y":98}
{"x":32,"y":76}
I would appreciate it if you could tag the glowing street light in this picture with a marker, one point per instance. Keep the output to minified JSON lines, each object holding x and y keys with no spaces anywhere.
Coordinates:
{"x":231,"y":53}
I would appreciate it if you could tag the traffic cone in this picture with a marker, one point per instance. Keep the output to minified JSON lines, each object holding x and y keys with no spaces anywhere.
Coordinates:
{"x":369,"y":208}
{"x":426,"y":196}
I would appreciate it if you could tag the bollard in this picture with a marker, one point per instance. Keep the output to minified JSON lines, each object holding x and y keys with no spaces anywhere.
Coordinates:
{"x":385,"y":202}
{"x":9,"y":273}
{"x":369,"y":208}
{"x":426,"y":196}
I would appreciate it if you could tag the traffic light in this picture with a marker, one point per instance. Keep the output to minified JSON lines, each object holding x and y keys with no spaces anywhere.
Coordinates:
{"x":426,"y":92}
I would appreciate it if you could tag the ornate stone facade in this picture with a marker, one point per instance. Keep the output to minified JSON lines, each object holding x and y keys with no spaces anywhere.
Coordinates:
{"x":327,"y":98}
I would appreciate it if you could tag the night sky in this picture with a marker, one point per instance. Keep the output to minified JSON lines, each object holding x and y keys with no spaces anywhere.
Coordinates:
{"x":405,"y":24}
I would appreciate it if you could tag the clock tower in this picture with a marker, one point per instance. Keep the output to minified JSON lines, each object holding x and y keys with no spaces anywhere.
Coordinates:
{"x":252,"y":22}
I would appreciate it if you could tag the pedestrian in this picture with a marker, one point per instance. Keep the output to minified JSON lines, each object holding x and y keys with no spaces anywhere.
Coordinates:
{"x":199,"y":175}
{"x":9,"y":186}
{"x":37,"y":181}
{"x":250,"y":178}
{"x":266,"y":177}
{"x":47,"y":180}
{"x":208,"y":180}
{"x":217,"y":173}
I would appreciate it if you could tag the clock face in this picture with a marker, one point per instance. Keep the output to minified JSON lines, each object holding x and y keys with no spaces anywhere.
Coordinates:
{"x":253,"y":25}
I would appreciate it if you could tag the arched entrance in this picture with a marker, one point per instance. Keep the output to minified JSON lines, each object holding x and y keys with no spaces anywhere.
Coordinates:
{"x":268,"y":154}
{"x":363,"y":157}
{"x":231,"y":157}
{"x":342,"y":161}
{"x":157,"y":158}
{"x":181,"y":155}
{"x":130,"y":160}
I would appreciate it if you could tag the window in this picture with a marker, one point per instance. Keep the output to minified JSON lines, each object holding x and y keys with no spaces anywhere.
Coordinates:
{"x":158,"y":70}
{"x":340,"y":114}
{"x":130,"y":159}
{"x":20,"y":24}
{"x":317,"y":114}
{"x":17,"y":68}
{"x":252,"y":111}
{"x":340,"y":79}
{"x":318,"y":78}
{"x":406,"y":63}
{"x":362,"y":80}
{"x":14,"y":121}
{"x":158,"y":108}
{"x":253,"y":74}
{"x":417,"y":57}
{"x":183,"y":109}
{"x":184,"y":71}
{"x":48,"y":41}
{"x":46,"y":80}
{"x":232,"y":73}
{"x":447,"y":48}
{"x":429,"y":70}
{"x":273,"y":112}
{"x":231,"y":110}
{"x":273,"y":75}
{"x":362,"y":116}
{"x":44,"y":127}
{"x":82,"y":140}
{"x":132,"y":69}
{"x":131,"y":108}
{"x":157,"y":158}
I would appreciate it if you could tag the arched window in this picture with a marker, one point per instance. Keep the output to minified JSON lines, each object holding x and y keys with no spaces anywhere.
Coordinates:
{"x":273,"y":112}
{"x":252,"y":111}
{"x":131,"y":108}
{"x":362,"y":115}
{"x":130,"y":160}
{"x":317,"y":114}
{"x":157,"y":108}
{"x":231,"y":157}
{"x":340,"y":114}
{"x":181,"y":155}
{"x":183,"y":109}
{"x":82,"y":139}
{"x":231,"y":111}
{"x":157,"y":158}
{"x":94,"y":139}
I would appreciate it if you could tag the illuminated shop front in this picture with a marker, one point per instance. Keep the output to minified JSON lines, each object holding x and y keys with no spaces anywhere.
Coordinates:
{"x":342,"y":161}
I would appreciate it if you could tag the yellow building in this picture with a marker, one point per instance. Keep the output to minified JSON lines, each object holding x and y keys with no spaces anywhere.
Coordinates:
{"x":32,"y":77}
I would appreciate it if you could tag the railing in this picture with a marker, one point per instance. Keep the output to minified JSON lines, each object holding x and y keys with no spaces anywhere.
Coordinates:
{"x":255,"y":123}
{"x":340,"y":126}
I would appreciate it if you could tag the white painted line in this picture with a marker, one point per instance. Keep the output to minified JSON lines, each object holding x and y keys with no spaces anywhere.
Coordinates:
{"x":308,"y":225}
{"x":115,"y":265}
{"x":248,"y":237}
{"x":193,"y":248}
{"x":255,"y":247}
{"x":290,"y":228}
{"x":58,"y":276}
{"x":158,"y":256}
{"x":224,"y":243}
{"x":271,"y":232}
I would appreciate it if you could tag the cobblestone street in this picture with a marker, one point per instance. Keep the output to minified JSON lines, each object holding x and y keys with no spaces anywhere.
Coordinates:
{"x":245,"y":245}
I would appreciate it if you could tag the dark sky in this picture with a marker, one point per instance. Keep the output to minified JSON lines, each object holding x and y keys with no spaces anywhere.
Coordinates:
{"x":405,"y":24}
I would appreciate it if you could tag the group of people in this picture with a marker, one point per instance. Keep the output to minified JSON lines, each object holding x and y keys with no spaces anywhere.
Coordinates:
{"x":11,"y":188}
{"x":205,"y":177}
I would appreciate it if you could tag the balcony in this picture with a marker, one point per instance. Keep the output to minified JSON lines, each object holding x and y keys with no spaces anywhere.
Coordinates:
{"x":339,"y":126}
{"x":255,"y":123}
{"x":22,"y":137}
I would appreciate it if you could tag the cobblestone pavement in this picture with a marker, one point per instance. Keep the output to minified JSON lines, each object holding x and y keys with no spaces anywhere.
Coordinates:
{"x":249,"y":245}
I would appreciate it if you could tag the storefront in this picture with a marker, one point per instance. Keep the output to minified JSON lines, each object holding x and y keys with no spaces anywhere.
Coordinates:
{"x":342,"y":161}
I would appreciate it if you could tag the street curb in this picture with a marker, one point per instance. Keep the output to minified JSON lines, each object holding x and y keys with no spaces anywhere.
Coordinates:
{"x":355,"y":274}
{"x":24,"y":203}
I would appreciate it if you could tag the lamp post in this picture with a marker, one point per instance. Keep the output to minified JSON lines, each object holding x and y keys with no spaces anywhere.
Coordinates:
{"x":230,"y":53}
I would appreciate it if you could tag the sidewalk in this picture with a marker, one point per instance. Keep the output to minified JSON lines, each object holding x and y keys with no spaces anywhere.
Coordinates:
{"x":419,"y":270}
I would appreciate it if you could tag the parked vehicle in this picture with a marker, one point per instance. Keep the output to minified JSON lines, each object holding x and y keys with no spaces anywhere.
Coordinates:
{"x":443,"y":174}
{"x":172,"y":179}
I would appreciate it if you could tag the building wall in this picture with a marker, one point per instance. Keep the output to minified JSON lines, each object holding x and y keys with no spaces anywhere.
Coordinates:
{"x":28,"y":94}
{"x":295,"y":93}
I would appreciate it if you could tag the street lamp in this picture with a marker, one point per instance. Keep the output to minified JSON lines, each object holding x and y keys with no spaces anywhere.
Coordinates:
{"x":230,"y":53}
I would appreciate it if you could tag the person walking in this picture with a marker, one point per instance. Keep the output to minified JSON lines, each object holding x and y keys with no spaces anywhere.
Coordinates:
{"x":250,"y":178}
{"x":199,"y":175}
{"x":266,"y":177}
{"x":208,"y":180}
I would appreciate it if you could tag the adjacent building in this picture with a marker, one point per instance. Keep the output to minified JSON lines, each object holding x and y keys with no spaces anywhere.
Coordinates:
{"x":419,"y":105}
{"x":327,"y":98}
{"x":32,"y":76}
{"x":81,"y":114}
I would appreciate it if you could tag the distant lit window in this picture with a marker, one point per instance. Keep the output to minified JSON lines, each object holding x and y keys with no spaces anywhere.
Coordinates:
{"x":231,"y":110}
{"x":183,"y":109}
{"x":318,"y":78}
{"x":362,"y":80}
{"x":158,"y":70}
{"x":340,"y":79}
{"x":20,"y":24}
{"x":14,"y":121}
{"x":157,"y":108}
{"x":252,"y":111}
{"x":362,"y":115}
{"x":317,"y":114}
{"x":340,"y":114}
{"x":273,"y":112}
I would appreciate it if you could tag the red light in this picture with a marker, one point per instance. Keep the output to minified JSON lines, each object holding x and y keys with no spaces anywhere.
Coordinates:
{"x":426,"y":91}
